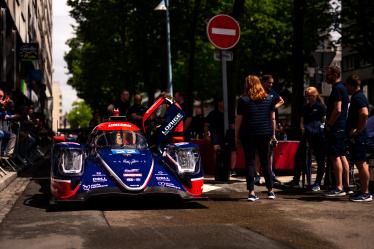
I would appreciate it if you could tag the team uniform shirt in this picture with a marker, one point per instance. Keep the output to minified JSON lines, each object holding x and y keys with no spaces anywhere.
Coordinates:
{"x":358,"y":101}
{"x":123,"y":107}
{"x":274,"y":96}
{"x":216,"y":123}
{"x":313,"y":115}
{"x":256,"y":116}
{"x":138,"y":110}
{"x":338,"y":93}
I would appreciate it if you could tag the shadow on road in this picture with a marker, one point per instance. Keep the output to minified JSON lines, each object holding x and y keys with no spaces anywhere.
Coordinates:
{"x":104,"y":203}
{"x":305,"y":195}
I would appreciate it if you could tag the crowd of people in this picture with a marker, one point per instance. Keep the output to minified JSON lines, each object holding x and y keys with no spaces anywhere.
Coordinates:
{"x":24,"y":134}
{"x":336,"y":135}
{"x":330,"y":132}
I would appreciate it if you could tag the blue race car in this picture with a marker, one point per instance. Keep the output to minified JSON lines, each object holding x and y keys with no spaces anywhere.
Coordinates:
{"x":118,"y":159}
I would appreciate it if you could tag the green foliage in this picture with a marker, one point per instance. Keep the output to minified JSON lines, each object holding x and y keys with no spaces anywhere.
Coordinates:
{"x":119,"y":44}
{"x":80,"y":115}
{"x":358,"y":27}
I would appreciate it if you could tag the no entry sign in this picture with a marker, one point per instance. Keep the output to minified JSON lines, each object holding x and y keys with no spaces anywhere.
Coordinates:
{"x":223,"y":31}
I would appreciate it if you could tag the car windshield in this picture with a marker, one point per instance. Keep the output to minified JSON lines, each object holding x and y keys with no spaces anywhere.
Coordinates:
{"x":121,"y":139}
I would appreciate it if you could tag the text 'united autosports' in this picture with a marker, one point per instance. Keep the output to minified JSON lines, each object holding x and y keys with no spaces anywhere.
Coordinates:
{"x":119,"y":158}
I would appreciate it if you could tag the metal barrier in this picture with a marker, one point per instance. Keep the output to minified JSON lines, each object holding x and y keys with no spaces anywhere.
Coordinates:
{"x":28,"y":148}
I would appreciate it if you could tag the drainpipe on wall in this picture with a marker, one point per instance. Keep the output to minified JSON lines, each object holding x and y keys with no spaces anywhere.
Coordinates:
{"x":14,"y":51}
{"x":3,"y":47}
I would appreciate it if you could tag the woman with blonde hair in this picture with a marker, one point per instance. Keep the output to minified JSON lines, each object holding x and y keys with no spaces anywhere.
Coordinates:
{"x":312,"y":117}
{"x":255,"y":129}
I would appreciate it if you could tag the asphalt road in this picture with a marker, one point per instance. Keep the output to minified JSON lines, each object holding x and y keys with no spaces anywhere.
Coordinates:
{"x":225,"y":220}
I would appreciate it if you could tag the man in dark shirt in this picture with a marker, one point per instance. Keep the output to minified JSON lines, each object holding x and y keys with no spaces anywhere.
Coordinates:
{"x":335,"y":129}
{"x":123,"y":103}
{"x":215,"y":125}
{"x":356,"y":128}
{"x":137,"y":111}
{"x":267,"y":82}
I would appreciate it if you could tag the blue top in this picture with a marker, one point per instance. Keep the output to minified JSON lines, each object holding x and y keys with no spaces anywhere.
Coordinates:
{"x":358,"y":101}
{"x":313,"y":115}
{"x":274,"y":96}
{"x":338,"y":93}
{"x":256,"y":116}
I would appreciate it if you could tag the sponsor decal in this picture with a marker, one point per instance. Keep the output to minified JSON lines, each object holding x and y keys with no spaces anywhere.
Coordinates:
{"x":86,"y":187}
{"x":131,"y":161}
{"x":98,"y":174}
{"x":119,"y":125}
{"x":132,"y":170}
{"x":161,"y":173}
{"x":163,"y":178}
{"x":124,"y":151}
{"x":98,"y":185}
{"x":94,"y":186}
{"x":133,"y":179}
{"x":181,"y":143}
{"x":168,"y":184}
{"x":99,"y":179}
{"x":132,"y":174}
{"x":172,"y":124}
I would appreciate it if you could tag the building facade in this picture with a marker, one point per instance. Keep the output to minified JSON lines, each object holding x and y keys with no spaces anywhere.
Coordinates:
{"x":57,"y":115}
{"x":26,"y":52}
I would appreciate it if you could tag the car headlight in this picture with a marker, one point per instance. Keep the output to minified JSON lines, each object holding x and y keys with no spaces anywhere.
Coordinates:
{"x":71,"y":161}
{"x":186,"y":160}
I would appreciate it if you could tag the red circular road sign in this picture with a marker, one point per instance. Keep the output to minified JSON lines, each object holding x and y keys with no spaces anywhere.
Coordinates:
{"x":223,"y":31}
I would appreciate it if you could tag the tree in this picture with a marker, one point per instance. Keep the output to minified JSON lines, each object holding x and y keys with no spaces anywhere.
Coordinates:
{"x":121,"y":44}
{"x":357,"y":27}
{"x":80,"y":115}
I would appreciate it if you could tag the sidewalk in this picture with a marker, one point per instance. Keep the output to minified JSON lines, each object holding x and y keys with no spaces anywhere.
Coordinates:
{"x":236,"y":184}
{"x":6,"y":179}
{"x":9,"y":173}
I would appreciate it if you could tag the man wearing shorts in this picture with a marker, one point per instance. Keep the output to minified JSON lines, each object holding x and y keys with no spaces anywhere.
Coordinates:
{"x":335,"y":129}
{"x":356,"y":128}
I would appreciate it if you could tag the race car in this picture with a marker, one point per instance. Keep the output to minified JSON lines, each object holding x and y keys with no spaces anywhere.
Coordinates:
{"x":120,"y":158}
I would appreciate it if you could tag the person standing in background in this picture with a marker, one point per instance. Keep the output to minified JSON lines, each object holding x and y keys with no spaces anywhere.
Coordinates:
{"x":7,"y":115}
{"x":122,"y":104}
{"x":219,"y":138}
{"x":136,"y":111}
{"x":255,"y":129}
{"x":313,"y":116}
{"x":187,"y":109}
{"x":335,"y":131}
{"x":267,"y":82}
{"x":356,"y":128}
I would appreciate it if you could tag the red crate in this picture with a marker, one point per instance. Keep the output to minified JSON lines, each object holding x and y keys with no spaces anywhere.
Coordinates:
{"x":284,"y":155}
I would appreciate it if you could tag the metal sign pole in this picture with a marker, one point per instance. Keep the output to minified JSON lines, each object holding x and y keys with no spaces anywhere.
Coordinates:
{"x":225,"y":97}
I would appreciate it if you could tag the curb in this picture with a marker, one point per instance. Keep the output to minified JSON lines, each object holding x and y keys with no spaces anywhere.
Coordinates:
{"x":7,"y":179}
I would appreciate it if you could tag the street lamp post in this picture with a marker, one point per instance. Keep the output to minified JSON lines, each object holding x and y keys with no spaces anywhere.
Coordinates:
{"x":164,"y":5}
